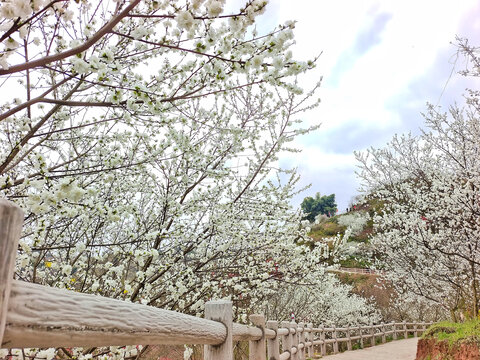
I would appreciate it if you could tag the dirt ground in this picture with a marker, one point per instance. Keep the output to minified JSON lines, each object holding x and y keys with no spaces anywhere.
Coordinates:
{"x":433,"y":349}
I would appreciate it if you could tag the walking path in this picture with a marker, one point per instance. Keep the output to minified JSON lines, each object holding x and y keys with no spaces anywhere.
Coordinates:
{"x":395,"y":350}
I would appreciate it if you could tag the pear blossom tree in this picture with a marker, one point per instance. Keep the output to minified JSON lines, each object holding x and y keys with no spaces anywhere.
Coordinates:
{"x":328,"y":303}
{"x":141,"y":139}
{"x":427,"y":231}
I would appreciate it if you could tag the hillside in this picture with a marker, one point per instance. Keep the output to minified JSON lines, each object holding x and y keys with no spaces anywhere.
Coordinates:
{"x":357,"y":252}
{"x":359,"y":222}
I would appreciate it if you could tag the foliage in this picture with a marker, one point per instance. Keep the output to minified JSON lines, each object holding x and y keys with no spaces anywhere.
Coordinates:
{"x":454,"y":332}
{"x":142,"y":144}
{"x":427,"y":233}
{"x":328,"y":227}
{"x":319,"y":205}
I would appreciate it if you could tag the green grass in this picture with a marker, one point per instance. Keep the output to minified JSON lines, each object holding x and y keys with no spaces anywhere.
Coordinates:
{"x":355,"y":262}
{"x":454,"y":332}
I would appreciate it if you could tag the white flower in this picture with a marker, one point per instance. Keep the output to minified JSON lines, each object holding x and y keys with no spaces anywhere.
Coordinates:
{"x":110,"y":283}
{"x":140,"y":276}
{"x":74,"y":43}
{"x":22,"y":8}
{"x":68,"y":15}
{"x":80,"y":247}
{"x":3,"y":62}
{"x":187,"y":353}
{"x":67,"y":269}
{"x":47,"y":354}
{"x":107,"y":54}
{"x":10,"y":43}
{"x":88,"y":30}
{"x":22,"y":32}
{"x":79,"y":65}
{"x":185,"y":20}
{"x":76,"y":193}
{"x":24,"y":259}
{"x":235,"y":24}
{"x":278,"y":63}
{"x":6,"y":25}
{"x":139,"y":32}
{"x":38,"y":208}
{"x":214,"y":7}
{"x":257,"y":61}
{"x":290,"y":24}
{"x":196,"y":4}
{"x":7,"y":11}
{"x":37,"y":4}
{"x":60,"y":7}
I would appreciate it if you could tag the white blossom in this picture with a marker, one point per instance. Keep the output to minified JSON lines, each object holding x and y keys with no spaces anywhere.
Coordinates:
{"x":187,"y":353}
{"x":67,"y":269}
{"x":214,"y":7}
{"x":79,"y":65}
{"x":11,"y":43}
{"x":185,"y":20}
{"x":257,"y":61}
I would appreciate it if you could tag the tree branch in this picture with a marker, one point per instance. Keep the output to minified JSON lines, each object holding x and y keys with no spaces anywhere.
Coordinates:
{"x":77,"y":50}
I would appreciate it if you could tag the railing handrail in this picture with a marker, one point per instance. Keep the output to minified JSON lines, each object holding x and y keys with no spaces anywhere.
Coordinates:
{"x":359,"y":270}
{"x":38,"y":316}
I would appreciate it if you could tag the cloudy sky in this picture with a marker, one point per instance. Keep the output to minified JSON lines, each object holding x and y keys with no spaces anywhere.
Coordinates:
{"x":381,"y":62}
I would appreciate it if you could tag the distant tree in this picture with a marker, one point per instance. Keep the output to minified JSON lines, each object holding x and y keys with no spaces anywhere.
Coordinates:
{"x":319,"y":205}
{"x":427,"y":234}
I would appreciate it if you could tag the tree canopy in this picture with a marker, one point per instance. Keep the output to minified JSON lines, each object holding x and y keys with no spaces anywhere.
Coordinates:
{"x":427,"y":233}
{"x":141,"y":140}
{"x":312,"y":207}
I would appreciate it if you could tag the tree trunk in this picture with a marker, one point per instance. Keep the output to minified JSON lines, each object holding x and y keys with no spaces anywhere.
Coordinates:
{"x":474,"y":291}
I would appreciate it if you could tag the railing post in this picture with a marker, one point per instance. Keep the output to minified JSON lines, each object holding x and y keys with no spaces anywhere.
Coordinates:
{"x":360,"y":333}
{"x":405,"y":331}
{"x":384,"y":337}
{"x":294,"y":327}
{"x":273,"y":345}
{"x":323,"y":346}
{"x":221,"y":311}
{"x":311,"y":338}
{"x":11,"y":221}
{"x":415,"y":332}
{"x":257,"y":349}
{"x":349,"y":340}
{"x":424,"y":328}
{"x":286,"y":339}
{"x":301,"y":340}
{"x":372,"y":333}
{"x":334,"y":336}
{"x":394,"y":329}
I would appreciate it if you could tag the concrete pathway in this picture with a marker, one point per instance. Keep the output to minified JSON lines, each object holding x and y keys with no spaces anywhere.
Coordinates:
{"x":395,"y":350}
